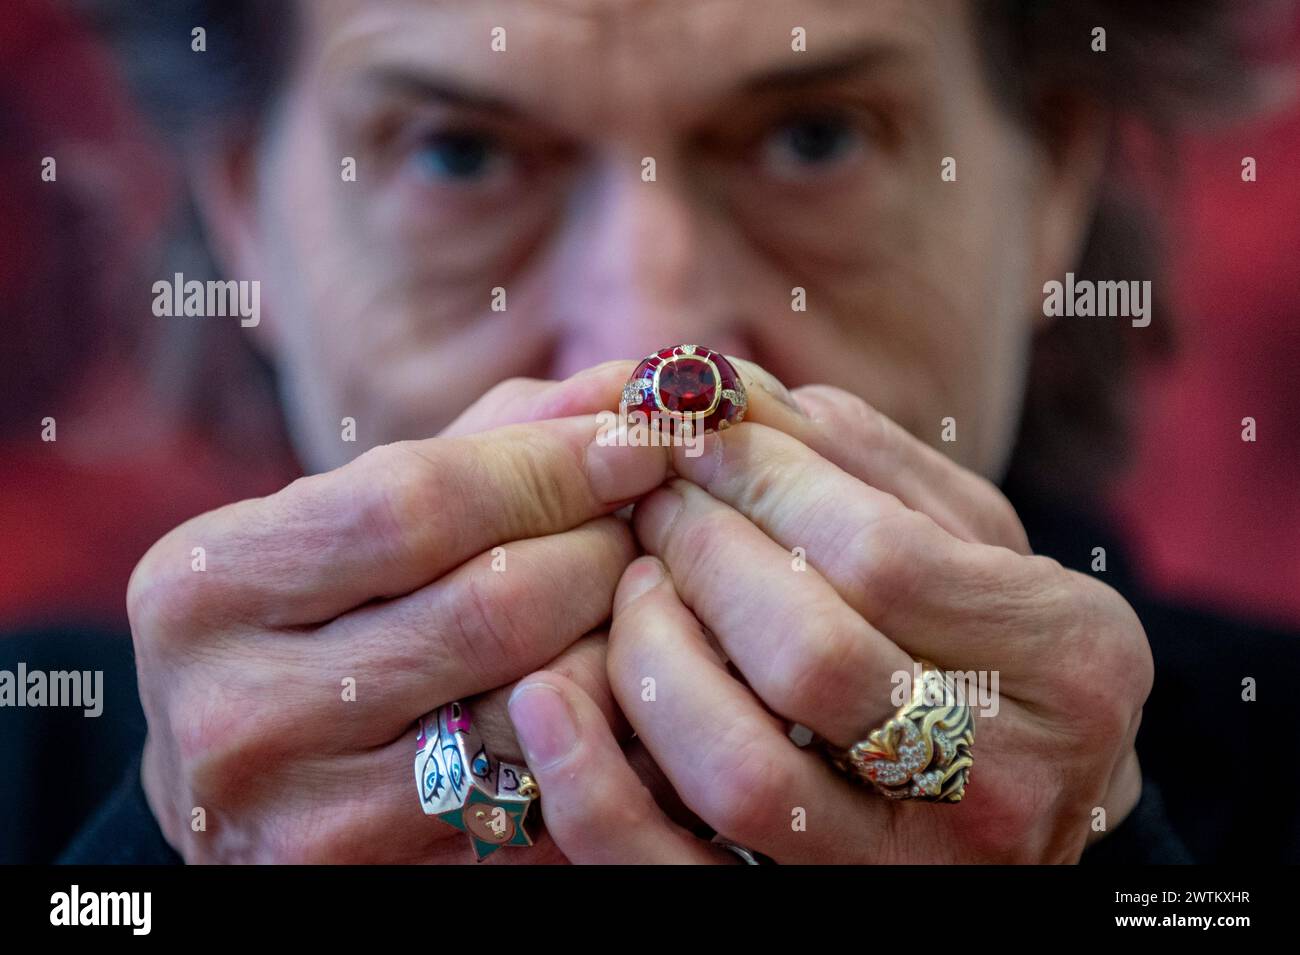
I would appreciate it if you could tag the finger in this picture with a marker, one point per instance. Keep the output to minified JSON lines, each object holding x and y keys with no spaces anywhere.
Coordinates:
{"x":599,"y":388}
{"x":849,"y":432}
{"x":896,"y":567}
{"x":363,"y":808}
{"x":844,"y":429}
{"x":806,"y":653}
{"x":595,"y":807}
{"x":520,"y":400}
{"x":389,"y":522}
{"x":367,"y":796}
{"x":583,"y":663}
{"x":775,"y":406}
{"x":481,"y":626}
{"x":654,"y":779}
{"x":729,"y":759}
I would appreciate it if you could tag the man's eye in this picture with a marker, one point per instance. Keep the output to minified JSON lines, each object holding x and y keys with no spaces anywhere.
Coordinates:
{"x":804,"y":147}
{"x":464,"y":158}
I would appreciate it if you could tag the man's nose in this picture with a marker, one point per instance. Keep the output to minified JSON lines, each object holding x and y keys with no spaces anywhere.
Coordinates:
{"x":633,"y":275}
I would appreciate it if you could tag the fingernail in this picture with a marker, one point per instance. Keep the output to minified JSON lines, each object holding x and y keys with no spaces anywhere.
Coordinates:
{"x":543,"y":723}
{"x":621,"y":472}
{"x":756,"y":376}
{"x":782,"y":394}
{"x":641,"y":575}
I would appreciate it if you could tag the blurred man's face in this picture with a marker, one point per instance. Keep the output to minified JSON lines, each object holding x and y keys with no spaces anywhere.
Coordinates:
{"x":523,"y":170}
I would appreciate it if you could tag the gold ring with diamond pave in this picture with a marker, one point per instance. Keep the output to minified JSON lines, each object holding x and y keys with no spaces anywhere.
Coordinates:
{"x":924,"y":751}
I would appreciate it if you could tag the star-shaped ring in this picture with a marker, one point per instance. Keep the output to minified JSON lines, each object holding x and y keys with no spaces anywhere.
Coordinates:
{"x":495,"y":820}
{"x":461,"y":784}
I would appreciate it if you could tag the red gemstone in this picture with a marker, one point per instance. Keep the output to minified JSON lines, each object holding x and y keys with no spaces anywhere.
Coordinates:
{"x":692,"y":380}
{"x":687,"y":385}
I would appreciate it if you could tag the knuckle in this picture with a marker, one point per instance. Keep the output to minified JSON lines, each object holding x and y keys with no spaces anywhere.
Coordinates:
{"x":395,"y":488}
{"x":485,"y":627}
{"x":1008,"y":829}
{"x":1128,"y":636}
{"x":166,"y":600}
{"x":232,"y":744}
{"x":765,"y":488}
{"x":698,"y":542}
{"x":1002,"y":523}
{"x":878,"y":567}
{"x":750,"y":787}
{"x":154,"y":597}
{"x":539,"y":499}
{"x":1033,"y":589}
{"x":817,"y":665}
{"x":224,"y":736}
{"x":1110,"y":669}
{"x":868,"y":425}
{"x":1121,"y":652}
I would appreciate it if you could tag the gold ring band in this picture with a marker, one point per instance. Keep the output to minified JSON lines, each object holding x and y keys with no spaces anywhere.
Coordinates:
{"x":924,"y":751}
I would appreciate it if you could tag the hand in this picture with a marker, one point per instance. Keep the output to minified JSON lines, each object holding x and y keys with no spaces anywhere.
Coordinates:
{"x":907,"y":556}
{"x":380,"y":573}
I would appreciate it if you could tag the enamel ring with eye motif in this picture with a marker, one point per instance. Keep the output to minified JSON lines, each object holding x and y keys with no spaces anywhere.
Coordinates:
{"x":463,"y":785}
{"x":687,"y":383}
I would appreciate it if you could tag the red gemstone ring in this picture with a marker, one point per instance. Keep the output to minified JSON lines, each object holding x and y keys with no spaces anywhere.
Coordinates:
{"x":688,"y":383}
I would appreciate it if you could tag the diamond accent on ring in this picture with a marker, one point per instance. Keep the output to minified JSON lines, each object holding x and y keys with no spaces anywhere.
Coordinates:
{"x":634,"y":392}
{"x":924,"y":752}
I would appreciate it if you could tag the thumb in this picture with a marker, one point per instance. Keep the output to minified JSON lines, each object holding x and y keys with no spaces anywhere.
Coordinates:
{"x":595,"y":807}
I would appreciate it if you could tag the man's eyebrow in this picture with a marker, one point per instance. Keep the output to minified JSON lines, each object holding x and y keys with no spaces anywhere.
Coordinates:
{"x":398,"y":81}
{"x":839,"y":66}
